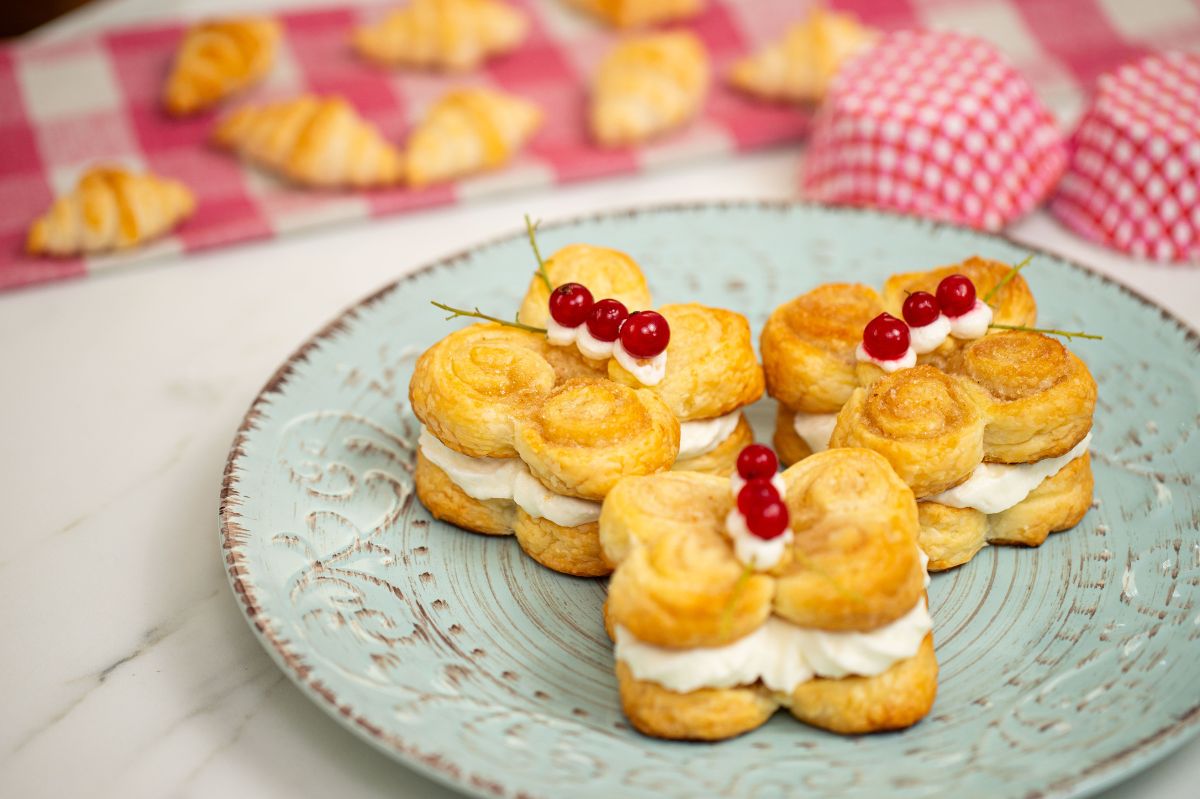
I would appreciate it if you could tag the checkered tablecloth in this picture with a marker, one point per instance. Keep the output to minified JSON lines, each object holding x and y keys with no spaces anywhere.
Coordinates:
{"x":64,"y":106}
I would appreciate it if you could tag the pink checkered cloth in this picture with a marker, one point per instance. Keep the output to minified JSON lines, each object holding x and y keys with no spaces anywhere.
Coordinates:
{"x":64,"y":106}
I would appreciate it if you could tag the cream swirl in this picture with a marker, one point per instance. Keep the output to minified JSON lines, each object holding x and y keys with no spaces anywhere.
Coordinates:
{"x":996,"y":487}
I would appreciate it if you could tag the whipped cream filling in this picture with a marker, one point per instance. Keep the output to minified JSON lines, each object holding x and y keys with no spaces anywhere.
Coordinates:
{"x":760,"y":553}
{"x":815,"y":428}
{"x":781,"y":654}
{"x":996,"y":487}
{"x":906,"y":361}
{"x":648,"y":371}
{"x":974,"y":323}
{"x":928,"y":338}
{"x":560,"y":335}
{"x":507,"y":479}
{"x":591,"y":346}
{"x":702,"y":436}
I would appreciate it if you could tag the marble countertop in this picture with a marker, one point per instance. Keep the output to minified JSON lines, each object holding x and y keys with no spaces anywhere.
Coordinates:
{"x":129,"y":670}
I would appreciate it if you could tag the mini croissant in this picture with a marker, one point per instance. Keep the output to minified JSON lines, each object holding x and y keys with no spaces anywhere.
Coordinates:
{"x":800,"y":66}
{"x":451,"y":34}
{"x":313,"y":141}
{"x":467,"y":131}
{"x":647,"y":86}
{"x":110,"y":209}
{"x":640,"y":13}
{"x":217,"y":59}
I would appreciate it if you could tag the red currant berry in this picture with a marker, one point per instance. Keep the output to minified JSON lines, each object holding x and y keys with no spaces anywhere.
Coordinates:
{"x":886,"y":338}
{"x":645,"y":334}
{"x":920,"y":309}
{"x":755,"y":493}
{"x":768,"y":520}
{"x":956,"y":295}
{"x":757,"y":461}
{"x":605,"y":318}
{"x":570,"y":304}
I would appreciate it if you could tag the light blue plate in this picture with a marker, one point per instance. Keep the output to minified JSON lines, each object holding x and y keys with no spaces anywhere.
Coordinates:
{"x":1063,"y":669}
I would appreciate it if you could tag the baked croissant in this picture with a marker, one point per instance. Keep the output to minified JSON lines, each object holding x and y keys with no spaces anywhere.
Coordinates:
{"x":640,"y":13}
{"x":110,"y":209}
{"x":800,"y":66}
{"x":217,"y":59}
{"x":312,"y":141}
{"x":685,"y":612}
{"x":647,"y":86}
{"x":450,"y":34}
{"x":467,"y":131}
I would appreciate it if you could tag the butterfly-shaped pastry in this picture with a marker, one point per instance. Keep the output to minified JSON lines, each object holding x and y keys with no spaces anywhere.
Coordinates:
{"x":312,"y":141}
{"x":445,"y":34}
{"x":110,"y":209}
{"x":640,"y":13}
{"x":217,"y":59}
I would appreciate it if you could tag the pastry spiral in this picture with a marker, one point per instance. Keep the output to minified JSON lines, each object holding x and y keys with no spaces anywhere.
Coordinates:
{"x":1013,"y":304}
{"x":448,"y":34}
{"x":927,"y":424}
{"x":217,"y":59}
{"x":110,"y":209}
{"x":606,"y":273}
{"x":808,"y":346}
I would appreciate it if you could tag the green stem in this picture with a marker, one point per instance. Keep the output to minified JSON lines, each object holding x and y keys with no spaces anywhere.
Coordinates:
{"x":531,"y":228}
{"x":478,"y":314}
{"x":1069,"y":334}
{"x":1004,"y":280}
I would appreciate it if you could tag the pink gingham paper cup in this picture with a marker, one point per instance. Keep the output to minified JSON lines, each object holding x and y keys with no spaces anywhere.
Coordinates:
{"x":938,"y":125}
{"x":1133,"y":181}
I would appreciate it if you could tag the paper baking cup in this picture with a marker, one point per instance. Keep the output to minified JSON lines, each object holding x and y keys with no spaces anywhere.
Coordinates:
{"x":938,"y":125}
{"x":1133,"y":181}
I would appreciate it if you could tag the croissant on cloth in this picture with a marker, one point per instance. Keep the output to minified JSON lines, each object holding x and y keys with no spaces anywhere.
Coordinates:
{"x":640,"y":13}
{"x":217,"y":59}
{"x":447,"y":34}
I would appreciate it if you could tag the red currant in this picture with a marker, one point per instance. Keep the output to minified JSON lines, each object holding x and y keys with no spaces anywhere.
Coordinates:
{"x":956,"y":295}
{"x":768,"y":520}
{"x":570,"y":304}
{"x":757,"y":460}
{"x":605,"y":318}
{"x":920,"y":309}
{"x":886,"y":338}
{"x":754,"y":493}
{"x":645,"y":334}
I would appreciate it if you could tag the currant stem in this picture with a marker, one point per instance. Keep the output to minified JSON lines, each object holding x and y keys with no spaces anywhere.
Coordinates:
{"x":531,"y":228}
{"x":1068,"y":334}
{"x":1004,"y":280}
{"x":478,"y":314}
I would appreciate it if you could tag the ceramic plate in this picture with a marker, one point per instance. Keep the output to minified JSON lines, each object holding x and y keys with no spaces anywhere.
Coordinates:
{"x":1063,"y":669}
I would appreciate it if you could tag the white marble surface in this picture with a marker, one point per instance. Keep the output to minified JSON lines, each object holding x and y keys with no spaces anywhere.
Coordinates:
{"x":128,"y":669}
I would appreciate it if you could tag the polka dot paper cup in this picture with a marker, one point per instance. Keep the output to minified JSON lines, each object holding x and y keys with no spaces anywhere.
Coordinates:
{"x":938,"y":125}
{"x":1133,"y":181}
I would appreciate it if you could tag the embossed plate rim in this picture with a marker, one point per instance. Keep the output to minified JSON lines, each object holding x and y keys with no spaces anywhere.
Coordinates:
{"x":1087,"y":780}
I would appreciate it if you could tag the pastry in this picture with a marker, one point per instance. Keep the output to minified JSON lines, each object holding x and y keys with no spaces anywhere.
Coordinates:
{"x":707,"y":375}
{"x":800,"y":66}
{"x":312,"y":141}
{"x":446,"y":34}
{"x":110,"y":209}
{"x":640,"y":13}
{"x":804,"y":590}
{"x":217,"y":59}
{"x":467,"y":131}
{"x":989,"y":427}
{"x":646,"y":86}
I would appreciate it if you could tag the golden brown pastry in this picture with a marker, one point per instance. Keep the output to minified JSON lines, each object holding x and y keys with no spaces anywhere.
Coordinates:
{"x":640,"y":13}
{"x":110,"y":209}
{"x":217,"y":59}
{"x":646,"y":86}
{"x":851,"y":578}
{"x":446,"y":34}
{"x":312,"y":141}
{"x":469,"y":131}
{"x":606,"y":273}
{"x":800,"y":66}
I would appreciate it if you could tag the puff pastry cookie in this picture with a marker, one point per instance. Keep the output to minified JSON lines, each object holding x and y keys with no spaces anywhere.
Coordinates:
{"x":640,"y":13}
{"x":646,"y":86}
{"x":312,"y":141}
{"x":446,"y":34}
{"x":990,"y":432}
{"x":110,"y":209}
{"x":217,"y":59}
{"x":836,"y":630}
{"x":468,"y":131}
{"x":800,"y":66}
